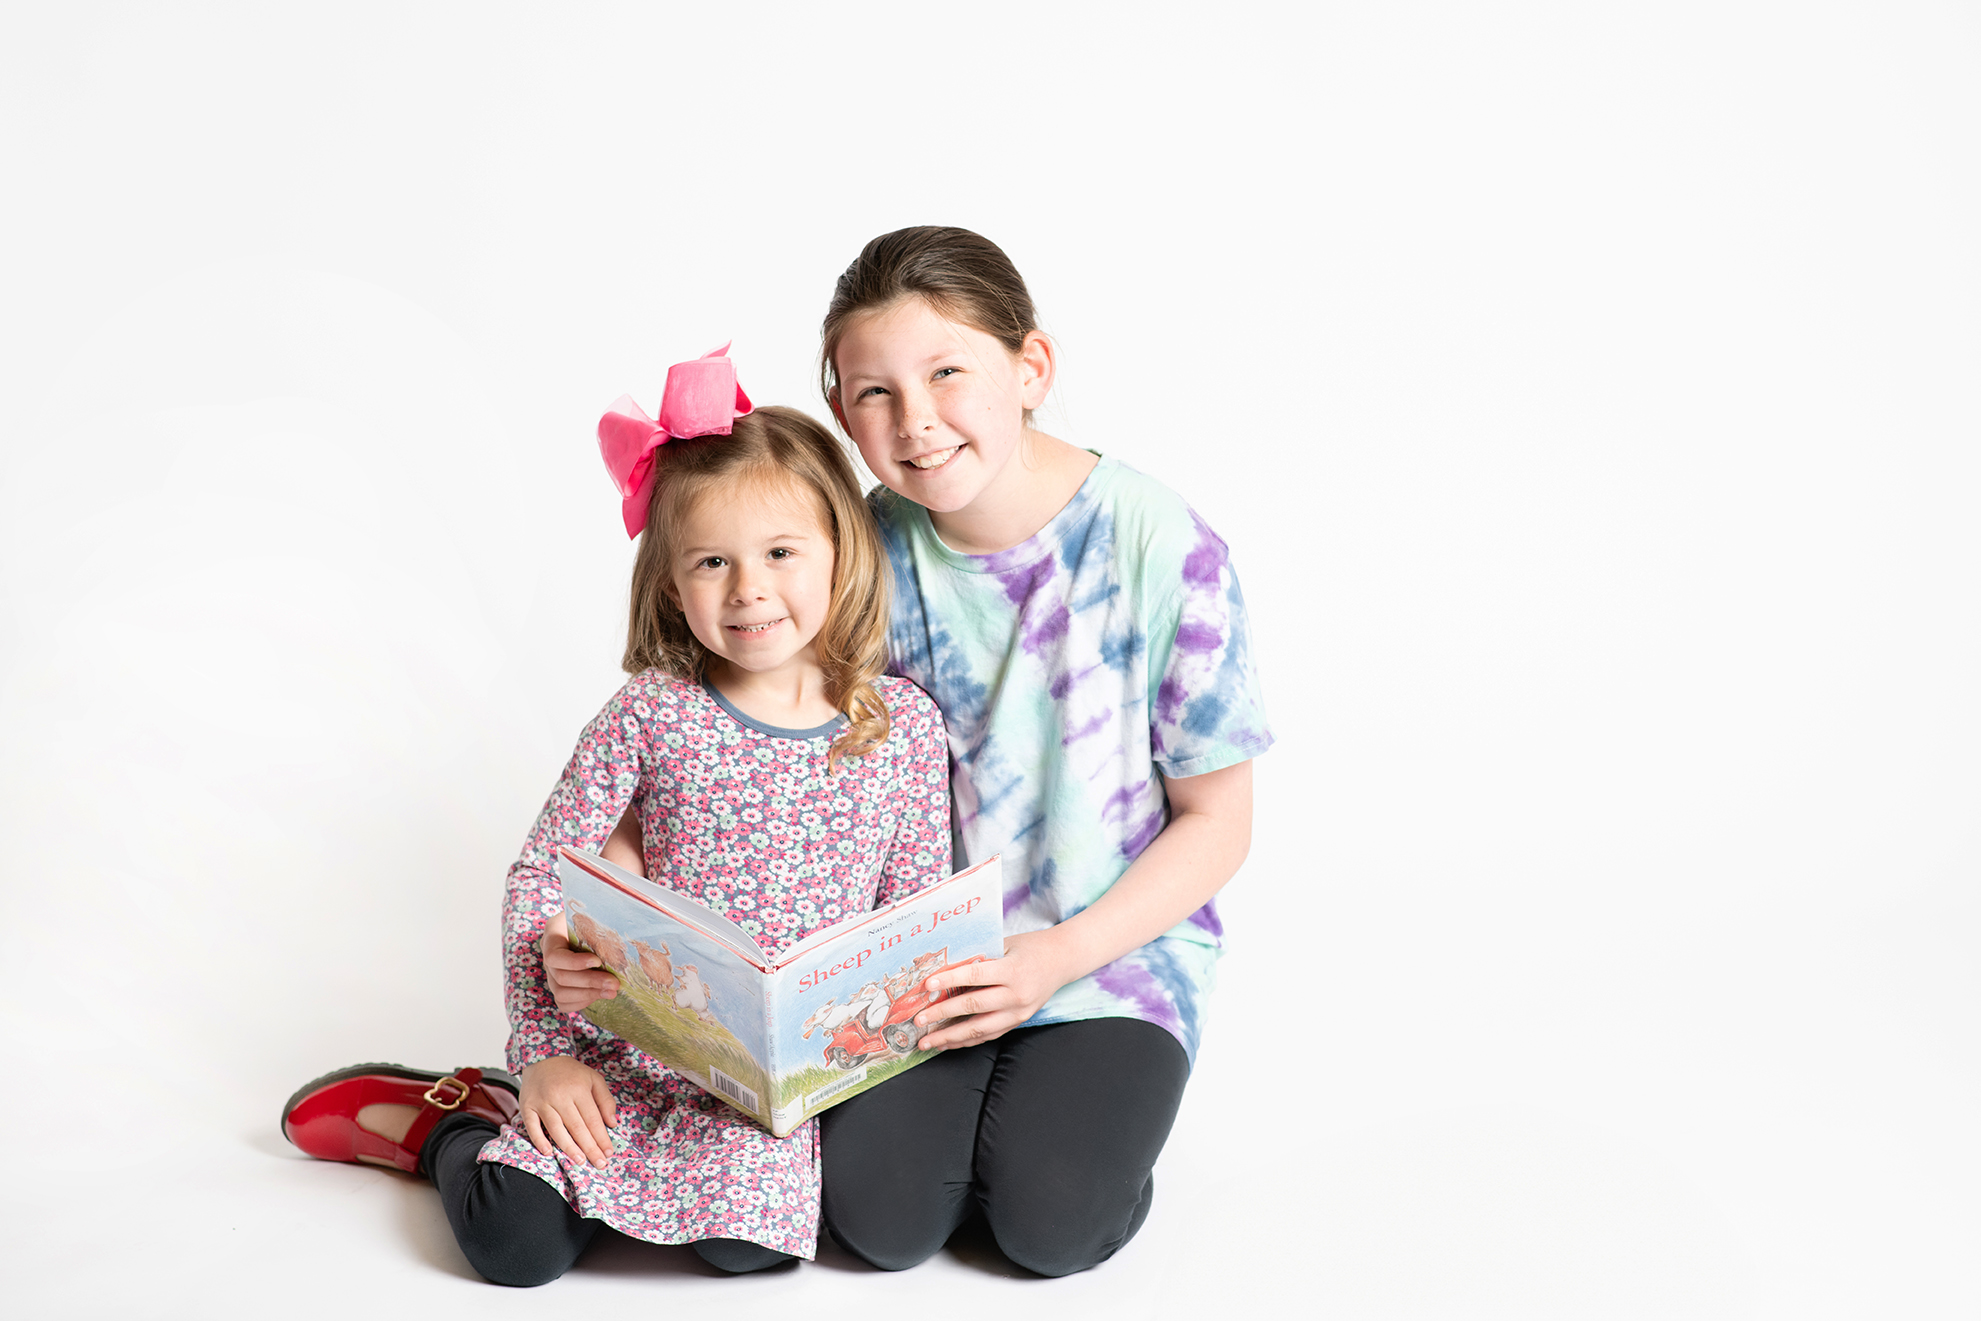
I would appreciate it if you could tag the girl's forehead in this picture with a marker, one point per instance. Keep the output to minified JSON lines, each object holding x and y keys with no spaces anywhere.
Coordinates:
{"x":910,"y":321}
{"x":754,"y":492}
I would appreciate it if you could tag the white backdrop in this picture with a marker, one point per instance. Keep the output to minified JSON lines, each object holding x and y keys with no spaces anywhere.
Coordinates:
{"x":1589,"y":397}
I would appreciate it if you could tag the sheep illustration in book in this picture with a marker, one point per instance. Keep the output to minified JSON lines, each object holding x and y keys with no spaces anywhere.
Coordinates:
{"x":600,"y":940}
{"x":656,"y":965}
{"x":871,"y":1004}
{"x":695,"y":994}
{"x":828,"y":1016}
{"x":914,"y":974}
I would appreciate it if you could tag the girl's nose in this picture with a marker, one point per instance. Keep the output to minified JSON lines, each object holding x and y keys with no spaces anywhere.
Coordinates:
{"x":917,"y":415}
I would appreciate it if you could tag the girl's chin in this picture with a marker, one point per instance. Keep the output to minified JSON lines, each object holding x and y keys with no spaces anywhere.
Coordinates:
{"x":935,"y":489}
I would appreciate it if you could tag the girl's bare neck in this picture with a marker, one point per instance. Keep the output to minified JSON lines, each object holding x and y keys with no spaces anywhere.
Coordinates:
{"x":789,"y":698}
{"x":1039,"y":481}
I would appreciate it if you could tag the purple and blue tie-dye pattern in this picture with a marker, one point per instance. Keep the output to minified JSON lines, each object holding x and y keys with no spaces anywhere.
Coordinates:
{"x":1074,"y":672}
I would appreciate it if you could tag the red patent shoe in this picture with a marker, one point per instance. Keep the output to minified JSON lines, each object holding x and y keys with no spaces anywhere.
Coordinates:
{"x":322,"y":1117}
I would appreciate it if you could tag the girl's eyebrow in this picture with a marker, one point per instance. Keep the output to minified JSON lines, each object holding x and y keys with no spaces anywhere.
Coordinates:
{"x":772,"y":538}
{"x":925,"y":363}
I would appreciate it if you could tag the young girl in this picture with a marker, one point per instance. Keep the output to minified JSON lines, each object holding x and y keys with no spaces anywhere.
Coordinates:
{"x":1082,"y":630}
{"x":758,"y":760}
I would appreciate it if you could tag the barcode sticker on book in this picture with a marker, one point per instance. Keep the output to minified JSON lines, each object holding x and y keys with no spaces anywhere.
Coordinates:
{"x":833,"y":1089}
{"x":732,"y":1089}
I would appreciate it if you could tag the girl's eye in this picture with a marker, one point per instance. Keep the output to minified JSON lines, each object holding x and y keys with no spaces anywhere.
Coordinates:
{"x":781,"y":553}
{"x":944,"y":371}
{"x":869,"y":391}
{"x":709,"y":562}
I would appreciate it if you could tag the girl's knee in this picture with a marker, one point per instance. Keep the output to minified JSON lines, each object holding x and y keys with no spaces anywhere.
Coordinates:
{"x":519,"y":1265}
{"x":517,"y":1230}
{"x":1055,"y":1240}
{"x":888,"y":1243}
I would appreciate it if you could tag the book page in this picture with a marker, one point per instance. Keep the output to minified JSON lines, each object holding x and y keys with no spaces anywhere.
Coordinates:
{"x":844,"y":1007}
{"x":691,"y":911}
{"x":686,"y":996}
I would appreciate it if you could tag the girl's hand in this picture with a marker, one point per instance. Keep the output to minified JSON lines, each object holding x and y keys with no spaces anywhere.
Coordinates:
{"x":568,"y":1103}
{"x":577,"y":977}
{"x":1008,"y":991}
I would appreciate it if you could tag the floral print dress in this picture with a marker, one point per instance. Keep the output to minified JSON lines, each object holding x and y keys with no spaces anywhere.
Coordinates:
{"x":745,"y":818}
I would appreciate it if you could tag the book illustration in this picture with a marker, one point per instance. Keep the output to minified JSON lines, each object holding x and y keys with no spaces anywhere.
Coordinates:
{"x":780,"y":1038}
{"x":681,"y":998}
{"x":880,"y":1018}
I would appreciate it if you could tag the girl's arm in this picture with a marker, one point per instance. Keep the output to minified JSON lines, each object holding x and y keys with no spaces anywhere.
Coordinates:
{"x":560,"y":1096}
{"x":1208,"y":835}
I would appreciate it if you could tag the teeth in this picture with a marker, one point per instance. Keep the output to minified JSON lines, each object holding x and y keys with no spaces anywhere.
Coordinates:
{"x":756,"y":628}
{"x":935,"y":460}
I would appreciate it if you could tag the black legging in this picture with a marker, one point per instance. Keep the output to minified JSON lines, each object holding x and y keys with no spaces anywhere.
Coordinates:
{"x":1051,"y":1130}
{"x":516,"y":1229}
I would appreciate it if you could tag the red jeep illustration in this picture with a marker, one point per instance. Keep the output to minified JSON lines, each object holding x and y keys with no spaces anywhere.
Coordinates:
{"x":850,"y":1037}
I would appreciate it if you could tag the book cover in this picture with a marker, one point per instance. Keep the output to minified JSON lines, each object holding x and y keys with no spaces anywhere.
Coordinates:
{"x":779,"y":1041}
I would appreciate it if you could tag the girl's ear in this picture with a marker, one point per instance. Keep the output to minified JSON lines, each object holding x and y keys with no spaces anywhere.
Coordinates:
{"x":1036,"y":366}
{"x":838,"y":413}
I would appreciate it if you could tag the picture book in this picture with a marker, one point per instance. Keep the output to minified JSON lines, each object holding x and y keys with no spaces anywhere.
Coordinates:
{"x":779,"y":1039}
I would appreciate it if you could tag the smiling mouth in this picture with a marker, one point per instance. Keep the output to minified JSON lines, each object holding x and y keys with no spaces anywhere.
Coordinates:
{"x":935,"y":460}
{"x":752,"y":630}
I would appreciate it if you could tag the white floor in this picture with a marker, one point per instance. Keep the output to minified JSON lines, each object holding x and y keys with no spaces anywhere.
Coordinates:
{"x":1407,"y":1178}
{"x":1588,"y":395}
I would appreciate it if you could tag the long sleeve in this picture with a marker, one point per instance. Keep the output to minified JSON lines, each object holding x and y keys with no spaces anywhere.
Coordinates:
{"x":919,"y":854}
{"x":597,"y":785}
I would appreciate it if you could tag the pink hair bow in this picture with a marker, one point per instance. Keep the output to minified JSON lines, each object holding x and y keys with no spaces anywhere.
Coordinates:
{"x":702,"y":398}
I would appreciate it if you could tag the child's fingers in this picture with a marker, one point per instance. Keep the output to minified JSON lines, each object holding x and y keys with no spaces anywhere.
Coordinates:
{"x":534,"y":1127}
{"x":970,"y":974}
{"x":606,"y":1105}
{"x":969,"y":1031}
{"x":988,"y":1000}
{"x":582,"y":1122}
{"x":560,"y":1132}
{"x":583,"y":981}
{"x":593,"y":1127}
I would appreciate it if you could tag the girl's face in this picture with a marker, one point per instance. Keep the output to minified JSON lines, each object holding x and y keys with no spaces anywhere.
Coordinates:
{"x":937,"y":409}
{"x":753,"y":574}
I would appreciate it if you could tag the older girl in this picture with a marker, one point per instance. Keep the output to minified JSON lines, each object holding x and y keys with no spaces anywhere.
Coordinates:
{"x":1083,"y":632}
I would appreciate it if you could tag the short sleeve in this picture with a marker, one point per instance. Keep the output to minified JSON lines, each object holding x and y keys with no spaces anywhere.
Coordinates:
{"x":1205,"y":709}
{"x":919,"y":855}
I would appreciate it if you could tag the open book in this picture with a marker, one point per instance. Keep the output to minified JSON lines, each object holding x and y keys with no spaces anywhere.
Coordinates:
{"x":830,"y":1017}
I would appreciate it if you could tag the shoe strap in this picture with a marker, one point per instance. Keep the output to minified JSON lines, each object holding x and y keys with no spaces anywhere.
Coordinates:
{"x":442,"y":1099}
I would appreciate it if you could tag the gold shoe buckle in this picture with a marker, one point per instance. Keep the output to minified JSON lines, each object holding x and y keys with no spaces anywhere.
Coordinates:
{"x":454,"y":1104}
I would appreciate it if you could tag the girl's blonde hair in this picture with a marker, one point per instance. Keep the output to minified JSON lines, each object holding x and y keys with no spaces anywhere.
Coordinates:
{"x":770,"y":449}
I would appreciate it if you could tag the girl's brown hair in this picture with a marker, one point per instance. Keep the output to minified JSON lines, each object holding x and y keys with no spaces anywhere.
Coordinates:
{"x":964,"y":276}
{"x":770,"y":449}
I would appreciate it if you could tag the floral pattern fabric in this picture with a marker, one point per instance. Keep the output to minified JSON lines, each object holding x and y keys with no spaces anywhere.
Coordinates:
{"x":747,"y":819}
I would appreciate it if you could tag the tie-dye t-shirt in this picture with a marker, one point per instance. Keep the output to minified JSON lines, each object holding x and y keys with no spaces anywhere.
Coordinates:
{"x":1074,"y":672}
